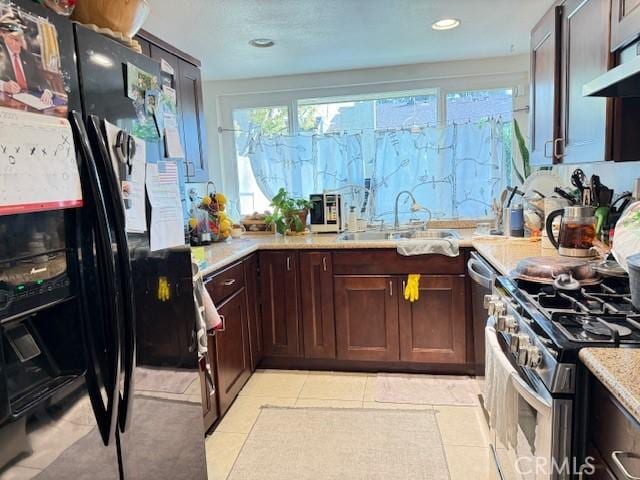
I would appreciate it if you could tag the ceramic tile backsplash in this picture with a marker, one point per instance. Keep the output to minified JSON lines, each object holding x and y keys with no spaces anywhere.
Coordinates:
{"x":619,"y":176}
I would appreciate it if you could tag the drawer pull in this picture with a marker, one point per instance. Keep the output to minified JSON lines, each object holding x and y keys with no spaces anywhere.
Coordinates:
{"x":324,"y":263}
{"x":391,"y":288}
{"x":615,"y":456}
{"x":228,"y":283}
{"x":288,"y":264}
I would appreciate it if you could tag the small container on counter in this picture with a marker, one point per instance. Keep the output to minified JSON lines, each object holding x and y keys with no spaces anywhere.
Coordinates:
{"x":516,"y":221}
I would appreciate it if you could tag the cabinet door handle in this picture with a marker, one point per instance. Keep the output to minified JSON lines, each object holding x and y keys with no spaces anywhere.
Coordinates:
{"x":288,"y":264}
{"x":548,"y":142}
{"x":404,"y":286}
{"x":391,"y":288}
{"x":224,"y":324}
{"x":324,"y":263}
{"x":556,"y":152}
{"x":615,"y":456}
{"x":228,"y":283}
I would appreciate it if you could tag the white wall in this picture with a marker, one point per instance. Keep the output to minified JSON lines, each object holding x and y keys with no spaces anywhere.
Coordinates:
{"x":222,"y":97}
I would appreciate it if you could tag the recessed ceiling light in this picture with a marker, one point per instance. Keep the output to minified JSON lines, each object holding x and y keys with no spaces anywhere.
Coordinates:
{"x":446,"y":24}
{"x":261,"y":42}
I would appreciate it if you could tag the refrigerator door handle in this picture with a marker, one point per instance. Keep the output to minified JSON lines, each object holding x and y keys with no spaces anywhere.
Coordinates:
{"x":106,"y":415}
{"x":114,"y":198}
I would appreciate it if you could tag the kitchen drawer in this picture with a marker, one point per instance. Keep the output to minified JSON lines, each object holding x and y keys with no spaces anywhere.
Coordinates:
{"x":223,"y":284}
{"x":614,"y":433}
{"x":389,"y":262}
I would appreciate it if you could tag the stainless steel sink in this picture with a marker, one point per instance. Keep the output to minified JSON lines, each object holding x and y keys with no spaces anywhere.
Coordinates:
{"x":437,"y":234}
{"x":382,"y":235}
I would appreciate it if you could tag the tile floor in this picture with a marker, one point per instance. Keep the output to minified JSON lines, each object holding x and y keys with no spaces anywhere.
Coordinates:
{"x":464,"y":433}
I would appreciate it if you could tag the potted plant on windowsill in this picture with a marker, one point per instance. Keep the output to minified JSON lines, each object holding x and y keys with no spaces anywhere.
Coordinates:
{"x":289,"y":214}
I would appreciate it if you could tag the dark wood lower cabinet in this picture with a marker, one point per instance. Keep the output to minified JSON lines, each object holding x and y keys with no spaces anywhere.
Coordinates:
{"x":433,"y":329}
{"x":253,"y":303}
{"x":597,"y":468}
{"x":280,"y":303}
{"x":233,"y":360}
{"x":612,"y":437}
{"x":366,"y":311}
{"x":316,"y":292}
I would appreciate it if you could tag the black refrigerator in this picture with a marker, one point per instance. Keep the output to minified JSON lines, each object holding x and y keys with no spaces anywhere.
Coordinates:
{"x":99,"y":371}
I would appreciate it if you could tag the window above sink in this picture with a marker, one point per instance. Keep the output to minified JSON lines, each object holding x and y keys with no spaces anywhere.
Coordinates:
{"x":452,"y":149}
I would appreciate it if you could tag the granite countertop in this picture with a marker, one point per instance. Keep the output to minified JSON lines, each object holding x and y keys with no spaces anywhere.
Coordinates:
{"x":619,"y":371}
{"x":223,"y":254}
{"x":505,"y":253}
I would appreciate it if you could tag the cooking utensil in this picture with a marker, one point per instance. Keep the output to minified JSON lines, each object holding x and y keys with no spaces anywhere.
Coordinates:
{"x":565,"y":195}
{"x":578,"y":180}
{"x":623,"y":200}
{"x":595,"y":187}
{"x":577,"y":231}
{"x":601,"y":217}
{"x":546,"y":270}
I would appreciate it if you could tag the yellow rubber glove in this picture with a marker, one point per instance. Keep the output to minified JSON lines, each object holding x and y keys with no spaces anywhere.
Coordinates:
{"x":164,"y":294}
{"x":412,"y":289}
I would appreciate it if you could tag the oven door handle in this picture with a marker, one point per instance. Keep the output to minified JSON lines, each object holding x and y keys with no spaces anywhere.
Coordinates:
{"x":540,"y":404}
{"x":473,"y":268}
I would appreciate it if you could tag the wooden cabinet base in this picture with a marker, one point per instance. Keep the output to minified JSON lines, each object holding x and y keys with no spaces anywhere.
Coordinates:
{"x":320,"y":364}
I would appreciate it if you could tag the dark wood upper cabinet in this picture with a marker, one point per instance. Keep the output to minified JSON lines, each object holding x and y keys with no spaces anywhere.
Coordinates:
{"x":145,"y":46}
{"x":625,"y":22}
{"x":585,"y":122}
{"x":233,"y":363}
{"x":366,"y":310}
{"x":193,"y":122}
{"x":187,"y":82}
{"x":280,"y":303}
{"x":251,"y":273}
{"x":318,"y":323}
{"x":433,"y":329}
{"x":545,"y":86}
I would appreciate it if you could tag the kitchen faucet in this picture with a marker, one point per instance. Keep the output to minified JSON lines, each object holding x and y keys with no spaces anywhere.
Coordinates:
{"x":414,"y":208}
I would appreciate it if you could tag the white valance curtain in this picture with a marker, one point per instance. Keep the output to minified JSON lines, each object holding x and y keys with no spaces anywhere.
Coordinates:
{"x":453,"y":170}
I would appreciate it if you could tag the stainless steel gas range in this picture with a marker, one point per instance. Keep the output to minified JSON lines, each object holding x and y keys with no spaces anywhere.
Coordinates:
{"x":540,"y":330}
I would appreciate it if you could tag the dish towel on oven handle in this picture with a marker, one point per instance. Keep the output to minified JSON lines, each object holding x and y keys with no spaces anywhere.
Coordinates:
{"x":500,"y":396}
{"x":207,"y":317}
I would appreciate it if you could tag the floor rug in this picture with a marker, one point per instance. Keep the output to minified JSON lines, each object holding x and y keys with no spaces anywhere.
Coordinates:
{"x":340,"y":444}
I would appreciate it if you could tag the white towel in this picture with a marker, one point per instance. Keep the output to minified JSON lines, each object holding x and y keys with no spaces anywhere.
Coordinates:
{"x":428,"y":246}
{"x":500,"y":396}
{"x":207,"y":317}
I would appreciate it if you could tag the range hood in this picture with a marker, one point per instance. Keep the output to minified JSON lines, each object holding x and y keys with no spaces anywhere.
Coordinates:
{"x":621,"y":81}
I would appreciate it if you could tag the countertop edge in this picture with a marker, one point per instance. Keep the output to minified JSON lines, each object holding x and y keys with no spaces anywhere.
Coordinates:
{"x":592,"y":359}
{"x":252,"y":244}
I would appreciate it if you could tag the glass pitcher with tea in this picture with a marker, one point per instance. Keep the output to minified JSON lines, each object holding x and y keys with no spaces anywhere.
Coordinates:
{"x":577,"y":231}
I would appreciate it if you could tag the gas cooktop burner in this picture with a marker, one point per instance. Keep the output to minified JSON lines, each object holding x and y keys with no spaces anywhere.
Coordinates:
{"x":599,"y":313}
{"x":599,"y":326}
{"x":607,"y":328}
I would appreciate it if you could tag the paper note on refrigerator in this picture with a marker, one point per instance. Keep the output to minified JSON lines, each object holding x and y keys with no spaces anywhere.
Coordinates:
{"x":167,"y":222}
{"x":172,"y":137}
{"x":132,"y":183}
{"x":38,"y":167}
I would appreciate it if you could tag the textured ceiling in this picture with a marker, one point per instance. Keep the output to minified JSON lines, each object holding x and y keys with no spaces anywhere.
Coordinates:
{"x":327,"y":35}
